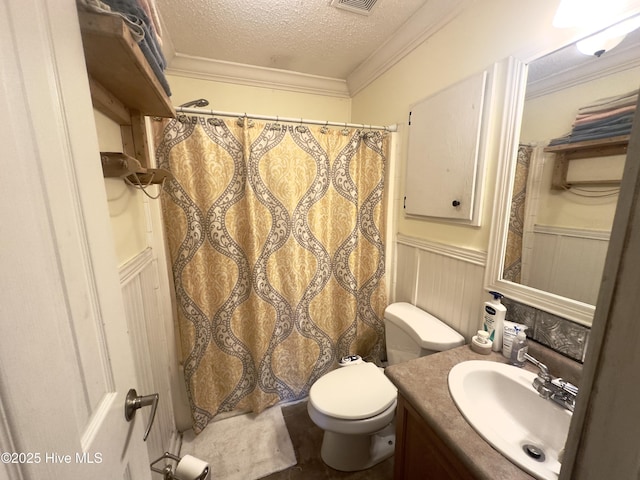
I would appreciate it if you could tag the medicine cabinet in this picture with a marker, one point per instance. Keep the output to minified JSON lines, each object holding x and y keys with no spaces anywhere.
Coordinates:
{"x":445,"y":154}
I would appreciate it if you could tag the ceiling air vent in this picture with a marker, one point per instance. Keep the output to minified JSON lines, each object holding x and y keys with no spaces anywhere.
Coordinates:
{"x":363,"y":7}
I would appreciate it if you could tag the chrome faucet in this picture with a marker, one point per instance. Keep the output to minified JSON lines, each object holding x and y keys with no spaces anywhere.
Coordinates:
{"x":555,"y":389}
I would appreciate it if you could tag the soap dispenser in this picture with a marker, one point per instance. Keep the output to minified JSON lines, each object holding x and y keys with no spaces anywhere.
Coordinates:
{"x":518,"y":350}
{"x":493,"y":313}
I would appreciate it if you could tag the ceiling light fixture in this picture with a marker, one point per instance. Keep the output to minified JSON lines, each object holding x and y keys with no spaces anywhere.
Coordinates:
{"x":607,"y":39}
{"x":593,"y":15}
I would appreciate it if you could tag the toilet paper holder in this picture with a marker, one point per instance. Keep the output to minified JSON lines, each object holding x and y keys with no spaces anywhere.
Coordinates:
{"x":167,"y":471}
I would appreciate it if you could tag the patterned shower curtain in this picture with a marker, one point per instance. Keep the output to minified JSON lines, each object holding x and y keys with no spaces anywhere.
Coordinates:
{"x":513,"y":254}
{"x":275,"y":234}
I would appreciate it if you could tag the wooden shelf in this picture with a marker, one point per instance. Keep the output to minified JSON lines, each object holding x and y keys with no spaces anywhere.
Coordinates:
{"x":589,"y":149}
{"x":593,"y":148}
{"x":114,"y":61}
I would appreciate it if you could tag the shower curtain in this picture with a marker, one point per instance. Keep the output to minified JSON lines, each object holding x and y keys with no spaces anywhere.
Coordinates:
{"x":275,"y":234}
{"x":513,"y":254}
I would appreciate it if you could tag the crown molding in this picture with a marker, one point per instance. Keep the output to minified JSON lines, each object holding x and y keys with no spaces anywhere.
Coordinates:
{"x":241,"y":74}
{"x":424,"y":23}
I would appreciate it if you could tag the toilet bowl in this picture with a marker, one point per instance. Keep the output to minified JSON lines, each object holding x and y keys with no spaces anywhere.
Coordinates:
{"x":351,"y":404}
{"x":355,"y":404}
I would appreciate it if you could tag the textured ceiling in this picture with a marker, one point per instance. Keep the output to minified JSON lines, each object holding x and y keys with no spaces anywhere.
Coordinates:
{"x":304,"y":36}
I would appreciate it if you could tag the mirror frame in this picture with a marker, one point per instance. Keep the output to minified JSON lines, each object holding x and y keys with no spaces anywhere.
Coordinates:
{"x":579,"y":312}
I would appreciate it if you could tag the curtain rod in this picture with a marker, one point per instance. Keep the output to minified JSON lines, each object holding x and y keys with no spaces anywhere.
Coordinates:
{"x":215,"y":113}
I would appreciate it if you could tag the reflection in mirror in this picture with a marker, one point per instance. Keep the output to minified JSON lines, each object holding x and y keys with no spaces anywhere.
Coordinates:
{"x":576,"y":119}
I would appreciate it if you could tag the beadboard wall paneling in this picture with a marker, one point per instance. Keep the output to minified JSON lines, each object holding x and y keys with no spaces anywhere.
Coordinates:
{"x":406,"y":273}
{"x":442,"y":280}
{"x":569,"y":262}
{"x":139,"y":283}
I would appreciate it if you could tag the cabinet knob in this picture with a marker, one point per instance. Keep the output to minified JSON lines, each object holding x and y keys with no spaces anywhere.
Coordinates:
{"x":455,"y":203}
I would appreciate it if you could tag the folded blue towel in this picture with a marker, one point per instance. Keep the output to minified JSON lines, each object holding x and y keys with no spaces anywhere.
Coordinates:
{"x":594,"y":134}
{"x":149,"y":43}
{"x":622,"y":119}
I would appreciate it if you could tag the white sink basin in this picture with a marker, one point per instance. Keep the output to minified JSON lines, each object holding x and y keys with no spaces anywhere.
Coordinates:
{"x":500,"y":403}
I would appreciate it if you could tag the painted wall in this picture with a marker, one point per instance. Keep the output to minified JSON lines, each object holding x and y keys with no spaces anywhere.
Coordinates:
{"x":486,"y":33}
{"x":126,"y":206}
{"x":263,"y":101}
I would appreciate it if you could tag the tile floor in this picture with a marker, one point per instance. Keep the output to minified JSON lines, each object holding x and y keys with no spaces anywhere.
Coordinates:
{"x":307,"y":438}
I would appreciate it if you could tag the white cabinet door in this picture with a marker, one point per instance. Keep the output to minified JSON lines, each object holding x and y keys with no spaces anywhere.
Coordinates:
{"x":65,"y":357}
{"x":444,"y":152}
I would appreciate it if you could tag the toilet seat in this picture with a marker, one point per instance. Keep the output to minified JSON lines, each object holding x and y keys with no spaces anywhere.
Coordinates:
{"x":353,"y":393}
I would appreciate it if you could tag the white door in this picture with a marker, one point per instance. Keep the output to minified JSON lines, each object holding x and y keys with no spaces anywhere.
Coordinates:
{"x":65,"y":358}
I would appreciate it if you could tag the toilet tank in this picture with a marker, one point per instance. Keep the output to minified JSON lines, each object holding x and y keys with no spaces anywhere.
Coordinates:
{"x":411,"y":333}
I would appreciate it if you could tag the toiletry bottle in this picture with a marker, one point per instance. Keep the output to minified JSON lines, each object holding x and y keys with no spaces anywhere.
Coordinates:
{"x":519,"y":347}
{"x":493,"y":313}
{"x":509,"y":334}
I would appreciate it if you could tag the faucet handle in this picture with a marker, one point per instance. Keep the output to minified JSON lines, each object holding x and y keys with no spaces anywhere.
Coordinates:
{"x":566,"y":386}
{"x":544,"y":371}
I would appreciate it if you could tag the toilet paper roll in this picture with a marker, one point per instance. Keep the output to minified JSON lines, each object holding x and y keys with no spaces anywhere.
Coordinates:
{"x":191,"y":468}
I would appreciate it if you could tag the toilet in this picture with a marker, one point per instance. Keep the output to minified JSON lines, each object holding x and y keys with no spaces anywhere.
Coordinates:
{"x":355,"y":405}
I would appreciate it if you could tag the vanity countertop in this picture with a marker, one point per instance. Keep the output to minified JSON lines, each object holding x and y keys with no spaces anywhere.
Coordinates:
{"x":423,"y":382}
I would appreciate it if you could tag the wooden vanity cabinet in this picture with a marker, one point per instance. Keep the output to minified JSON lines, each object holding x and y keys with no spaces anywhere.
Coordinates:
{"x":420,"y":454}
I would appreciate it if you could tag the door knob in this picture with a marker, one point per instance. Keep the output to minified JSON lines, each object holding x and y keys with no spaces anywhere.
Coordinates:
{"x":134,"y":401}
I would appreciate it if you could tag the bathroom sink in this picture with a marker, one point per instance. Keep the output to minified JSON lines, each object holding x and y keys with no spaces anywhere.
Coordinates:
{"x":500,"y":403}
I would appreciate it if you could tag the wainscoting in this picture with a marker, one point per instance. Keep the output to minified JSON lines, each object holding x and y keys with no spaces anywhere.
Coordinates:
{"x":149,"y":342}
{"x":448,"y":283}
{"x":445,"y":281}
{"x":568,"y":262}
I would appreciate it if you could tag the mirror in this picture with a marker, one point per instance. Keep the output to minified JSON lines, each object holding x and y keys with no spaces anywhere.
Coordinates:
{"x":555,"y":205}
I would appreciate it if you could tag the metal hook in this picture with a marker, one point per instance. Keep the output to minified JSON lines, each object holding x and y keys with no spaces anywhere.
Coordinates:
{"x":276,"y":126}
{"x":345,"y":130}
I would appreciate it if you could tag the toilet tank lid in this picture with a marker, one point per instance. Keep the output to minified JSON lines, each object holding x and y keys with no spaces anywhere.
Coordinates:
{"x":428,"y":332}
